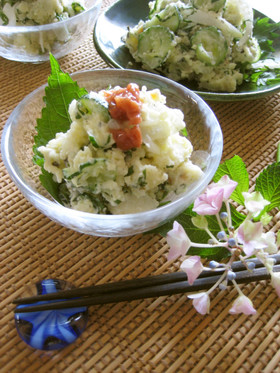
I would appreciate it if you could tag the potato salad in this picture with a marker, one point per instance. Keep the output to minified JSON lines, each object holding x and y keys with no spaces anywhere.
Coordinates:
{"x":30,"y":13}
{"x":207,"y":41}
{"x":37,"y":12}
{"x":126,"y":151}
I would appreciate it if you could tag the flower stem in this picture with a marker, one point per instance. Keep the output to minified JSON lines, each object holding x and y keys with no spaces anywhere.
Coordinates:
{"x":220,"y":269}
{"x":237,"y":287}
{"x":202,"y":245}
{"x":278,"y":152}
{"x":211,"y":235}
{"x":219,"y":222}
{"x":229,"y":213}
{"x":221,"y":279}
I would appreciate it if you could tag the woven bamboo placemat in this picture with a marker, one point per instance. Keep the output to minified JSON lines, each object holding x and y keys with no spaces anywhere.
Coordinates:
{"x":154,"y":335}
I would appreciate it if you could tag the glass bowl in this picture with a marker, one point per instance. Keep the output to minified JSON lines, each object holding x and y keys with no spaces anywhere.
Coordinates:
{"x":34,"y":43}
{"x":18,"y":137}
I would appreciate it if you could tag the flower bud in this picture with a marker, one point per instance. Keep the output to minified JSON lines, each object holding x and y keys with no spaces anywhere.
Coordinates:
{"x":224,"y":216}
{"x":232,"y":242}
{"x":231,"y":275}
{"x":213,"y":264}
{"x":222,"y":236}
{"x":243,"y":305}
{"x":251,"y":265}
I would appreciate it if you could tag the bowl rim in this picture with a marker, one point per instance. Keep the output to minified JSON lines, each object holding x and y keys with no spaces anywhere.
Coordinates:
{"x":48,"y":26}
{"x":31,"y":195}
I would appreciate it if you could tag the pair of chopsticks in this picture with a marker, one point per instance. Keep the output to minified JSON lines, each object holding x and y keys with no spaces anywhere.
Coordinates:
{"x":146,"y":287}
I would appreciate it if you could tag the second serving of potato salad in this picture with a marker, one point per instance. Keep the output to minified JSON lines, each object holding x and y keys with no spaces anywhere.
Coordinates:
{"x":207,"y":41}
{"x":37,"y":12}
{"x":126,"y":151}
{"x":31,"y":13}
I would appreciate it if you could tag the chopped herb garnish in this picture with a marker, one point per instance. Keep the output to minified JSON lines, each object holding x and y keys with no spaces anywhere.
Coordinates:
{"x":268,"y":35}
{"x":98,"y":202}
{"x":184,"y":132}
{"x":93,"y":142}
{"x":130,"y":171}
{"x":263,"y":76}
{"x":77,"y":8}
{"x":142,"y":179}
{"x":4,"y":18}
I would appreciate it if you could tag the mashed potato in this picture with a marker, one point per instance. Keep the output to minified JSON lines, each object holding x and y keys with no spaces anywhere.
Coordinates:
{"x":101,"y":174}
{"x":39,"y":12}
{"x":208,"y":41}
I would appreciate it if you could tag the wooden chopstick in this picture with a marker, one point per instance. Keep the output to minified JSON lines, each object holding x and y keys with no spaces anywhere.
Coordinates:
{"x":131,"y":284}
{"x":202,"y":283}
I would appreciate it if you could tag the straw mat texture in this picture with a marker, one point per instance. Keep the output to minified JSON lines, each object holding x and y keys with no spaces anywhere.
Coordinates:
{"x":155,"y":335}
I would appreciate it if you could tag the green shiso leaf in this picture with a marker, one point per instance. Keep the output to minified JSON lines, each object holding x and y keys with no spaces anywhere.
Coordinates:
{"x":50,"y":185}
{"x":59,"y":93}
{"x":236,"y":170}
{"x":268,"y":184}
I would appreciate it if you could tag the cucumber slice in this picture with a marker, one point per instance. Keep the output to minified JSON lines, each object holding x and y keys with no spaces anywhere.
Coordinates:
{"x":168,"y":17}
{"x":94,"y":106}
{"x":210,"y":45}
{"x":155,"y":44}
{"x":158,"y":5}
{"x":90,"y":174}
{"x":69,"y":174}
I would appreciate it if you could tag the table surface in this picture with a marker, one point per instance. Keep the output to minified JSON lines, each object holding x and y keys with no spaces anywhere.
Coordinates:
{"x":153,"y":335}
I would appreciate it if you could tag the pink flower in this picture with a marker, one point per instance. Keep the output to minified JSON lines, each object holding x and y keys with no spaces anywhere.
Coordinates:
{"x":249,"y":235}
{"x":201,"y":302}
{"x":178,"y":241}
{"x":226,"y":184}
{"x":193,"y":267}
{"x":210,"y":202}
{"x":254,"y":202}
{"x":275,"y":282}
{"x":267,"y":261}
{"x":269,"y":239}
{"x":242,"y":305}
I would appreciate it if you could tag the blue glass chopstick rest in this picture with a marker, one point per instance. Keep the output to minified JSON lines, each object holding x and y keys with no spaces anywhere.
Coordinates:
{"x":51,"y":330}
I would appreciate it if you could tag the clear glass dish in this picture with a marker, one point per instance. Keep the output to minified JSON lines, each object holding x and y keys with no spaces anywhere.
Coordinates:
{"x":17,"y":141}
{"x":34,"y":43}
